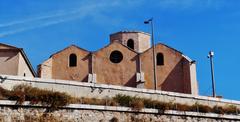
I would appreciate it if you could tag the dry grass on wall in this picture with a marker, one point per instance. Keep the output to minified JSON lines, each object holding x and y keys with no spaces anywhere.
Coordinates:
{"x":23,"y":92}
{"x":53,"y":100}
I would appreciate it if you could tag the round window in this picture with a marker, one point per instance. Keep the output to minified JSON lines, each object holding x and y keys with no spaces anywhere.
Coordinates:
{"x":116,"y":57}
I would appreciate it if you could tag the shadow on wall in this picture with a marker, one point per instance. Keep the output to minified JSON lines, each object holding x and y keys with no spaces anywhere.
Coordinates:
{"x":176,"y":81}
{"x":132,"y":81}
{"x":8,"y":55}
{"x":85,"y":79}
{"x":89,"y":58}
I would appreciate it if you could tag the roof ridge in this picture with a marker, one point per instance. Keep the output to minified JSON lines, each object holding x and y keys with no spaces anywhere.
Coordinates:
{"x":67,"y":48}
{"x":117,"y":43}
{"x":8,"y":45}
{"x":130,"y":31}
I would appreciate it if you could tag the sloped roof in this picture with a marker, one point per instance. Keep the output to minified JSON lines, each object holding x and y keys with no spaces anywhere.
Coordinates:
{"x":186,"y":57}
{"x":114,"y":43}
{"x":5,"y":46}
{"x":125,"y":47}
{"x":67,"y":48}
{"x":163,"y":45}
{"x":130,"y":31}
{"x":10,"y":47}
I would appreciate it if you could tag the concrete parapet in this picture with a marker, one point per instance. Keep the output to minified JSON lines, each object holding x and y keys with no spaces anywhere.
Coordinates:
{"x":93,"y":90}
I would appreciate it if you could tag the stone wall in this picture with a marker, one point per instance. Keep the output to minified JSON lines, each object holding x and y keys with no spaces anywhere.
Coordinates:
{"x":104,"y":114}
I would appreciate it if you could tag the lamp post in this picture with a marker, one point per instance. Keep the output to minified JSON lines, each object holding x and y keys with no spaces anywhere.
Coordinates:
{"x":210,"y":56}
{"x":150,"y":21}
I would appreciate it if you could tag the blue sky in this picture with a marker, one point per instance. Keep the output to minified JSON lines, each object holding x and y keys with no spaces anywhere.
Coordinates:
{"x":43,"y":27}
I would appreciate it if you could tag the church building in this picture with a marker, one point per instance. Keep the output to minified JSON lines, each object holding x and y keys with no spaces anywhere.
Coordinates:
{"x":126,"y":61}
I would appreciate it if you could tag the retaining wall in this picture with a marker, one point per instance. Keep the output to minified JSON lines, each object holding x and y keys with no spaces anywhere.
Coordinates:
{"x":92,"y":90}
{"x":9,"y":112}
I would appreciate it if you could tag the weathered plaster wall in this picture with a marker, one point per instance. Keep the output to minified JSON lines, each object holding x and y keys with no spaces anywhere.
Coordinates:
{"x":141,"y":39}
{"x":23,"y":68}
{"x":144,"y":41}
{"x":14,"y":62}
{"x":123,"y":73}
{"x":194,"y":82}
{"x":61,"y":69}
{"x":174,"y":75}
{"x":9,"y":62}
{"x":45,"y":69}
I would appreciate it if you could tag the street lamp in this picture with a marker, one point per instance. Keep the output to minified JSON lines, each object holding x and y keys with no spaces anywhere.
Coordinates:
{"x":150,"y":21}
{"x":210,"y":55}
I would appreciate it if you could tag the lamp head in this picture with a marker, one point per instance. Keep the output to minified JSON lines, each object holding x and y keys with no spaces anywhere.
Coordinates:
{"x":148,"y":21}
{"x":210,"y":54}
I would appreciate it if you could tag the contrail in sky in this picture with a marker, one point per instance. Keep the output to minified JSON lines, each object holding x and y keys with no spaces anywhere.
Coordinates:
{"x":80,"y":13}
{"x":51,"y":22}
{"x":38,"y":18}
{"x":37,"y":26}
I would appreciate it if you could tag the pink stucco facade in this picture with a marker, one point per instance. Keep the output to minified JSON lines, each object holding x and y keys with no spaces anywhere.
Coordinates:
{"x":176,"y":74}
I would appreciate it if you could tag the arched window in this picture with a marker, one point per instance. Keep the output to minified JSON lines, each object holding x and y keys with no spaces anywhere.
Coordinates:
{"x":72,"y":60}
{"x":130,"y":43}
{"x":160,"y":59}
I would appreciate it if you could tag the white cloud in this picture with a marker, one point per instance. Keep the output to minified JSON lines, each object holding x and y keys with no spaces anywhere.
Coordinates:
{"x":191,"y":4}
